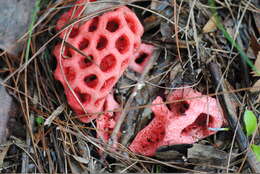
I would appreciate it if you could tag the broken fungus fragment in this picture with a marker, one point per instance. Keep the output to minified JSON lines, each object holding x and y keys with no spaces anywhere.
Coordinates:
{"x":108,"y":43}
{"x":152,"y":136}
{"x":184,"y":122}
{"x":107,"y":121}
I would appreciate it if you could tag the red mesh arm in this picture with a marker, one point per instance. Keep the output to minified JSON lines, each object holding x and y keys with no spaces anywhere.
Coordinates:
{"x":141,"y":58}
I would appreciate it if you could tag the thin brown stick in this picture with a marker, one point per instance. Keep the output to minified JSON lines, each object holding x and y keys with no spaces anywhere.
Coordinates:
{"x":113,"y":139}
{"x":232,"y":118}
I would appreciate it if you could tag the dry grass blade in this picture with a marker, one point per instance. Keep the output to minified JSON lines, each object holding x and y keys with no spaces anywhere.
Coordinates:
{"x":129,"y":101}
{"x":55,"y":113}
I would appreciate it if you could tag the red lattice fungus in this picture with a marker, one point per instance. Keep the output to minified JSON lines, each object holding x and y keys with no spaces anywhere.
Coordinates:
{"x":108,"y":43}
{"x":185,"y":123}
{"x":141,"y":58}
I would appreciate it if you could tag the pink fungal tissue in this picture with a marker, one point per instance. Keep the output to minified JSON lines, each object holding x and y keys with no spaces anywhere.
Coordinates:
{"x":110,"y":43}
{"x":183,"y":122}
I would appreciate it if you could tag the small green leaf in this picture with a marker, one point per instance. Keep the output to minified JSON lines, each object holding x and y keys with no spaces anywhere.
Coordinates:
{"x":39,"y":120}
{"x":250,"y":122}
{"x":256,"y":150}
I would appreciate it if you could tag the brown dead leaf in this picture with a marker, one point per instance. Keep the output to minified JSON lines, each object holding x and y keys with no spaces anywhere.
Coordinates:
{"x":256,"y":86}
{"x":15,"y":17}
{"x":258,"y":99}
{"x":150,"y":19}
{"x":257,"y":20}
{"x":102,"y":5}
{"x":257,"y":65}
{"x":5,"y":110}
{"x":254,"y":44}
{"x":3,"y":151}
{"x":210,"y":25}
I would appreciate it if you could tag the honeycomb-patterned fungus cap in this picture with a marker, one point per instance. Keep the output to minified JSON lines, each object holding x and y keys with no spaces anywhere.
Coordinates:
{"x":183,"y":123}
{"x":109,"y":41}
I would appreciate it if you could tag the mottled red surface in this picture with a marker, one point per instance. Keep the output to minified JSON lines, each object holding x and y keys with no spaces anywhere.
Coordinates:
{"x":106,"y":122}
{"x":152,"y":136}
{"x":183,"y":123}
{"x":109,"y":41}
{"x":141,"y":58}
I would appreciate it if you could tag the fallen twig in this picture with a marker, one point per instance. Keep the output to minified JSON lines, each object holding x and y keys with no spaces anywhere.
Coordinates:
{"x":113,"y":139}
{"x":230,"y":111}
